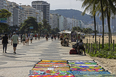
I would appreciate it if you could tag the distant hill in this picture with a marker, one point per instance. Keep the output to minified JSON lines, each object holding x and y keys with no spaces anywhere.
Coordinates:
{"x":70,"y":13}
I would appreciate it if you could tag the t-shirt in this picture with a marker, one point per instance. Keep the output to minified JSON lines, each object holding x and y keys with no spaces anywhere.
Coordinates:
{"x":15,"y":39}
{"x":23,"y":36}
{"x":31,"y":37}
{"x":5,"y":39}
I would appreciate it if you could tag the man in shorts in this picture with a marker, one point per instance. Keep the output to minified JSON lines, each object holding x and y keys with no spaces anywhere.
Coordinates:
{"x":31,"y":38}
{"x":23,"y":38}
{"x":14,"y":41}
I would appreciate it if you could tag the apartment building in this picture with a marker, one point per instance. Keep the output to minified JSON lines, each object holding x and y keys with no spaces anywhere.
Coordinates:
{"x":44,"y":7}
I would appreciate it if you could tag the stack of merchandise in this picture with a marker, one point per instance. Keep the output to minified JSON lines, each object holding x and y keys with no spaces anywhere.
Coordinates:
{"x":63,"y":68}
{"x":51,"y":68}
{"x":88,"y":69}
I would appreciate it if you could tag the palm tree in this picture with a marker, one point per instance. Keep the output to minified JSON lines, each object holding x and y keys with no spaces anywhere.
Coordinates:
{"x":91,"y":6}
{"x":109,"y":8}
{"x":101,"y":5}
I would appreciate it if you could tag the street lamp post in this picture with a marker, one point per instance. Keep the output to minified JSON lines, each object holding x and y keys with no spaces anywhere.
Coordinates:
{"x":20,"y":13}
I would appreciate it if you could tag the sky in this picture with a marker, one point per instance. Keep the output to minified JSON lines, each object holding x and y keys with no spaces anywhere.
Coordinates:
{"x":56,"y":4}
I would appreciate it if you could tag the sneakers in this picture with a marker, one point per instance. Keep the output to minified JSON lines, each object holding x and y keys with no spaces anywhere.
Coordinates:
{"x":14,"y":52}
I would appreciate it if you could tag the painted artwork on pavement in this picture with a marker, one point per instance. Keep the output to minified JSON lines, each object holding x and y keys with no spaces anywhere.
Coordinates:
{"x":71,"y":68}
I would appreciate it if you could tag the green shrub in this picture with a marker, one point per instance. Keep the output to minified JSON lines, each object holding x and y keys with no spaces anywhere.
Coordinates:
{"x":103,"y":53}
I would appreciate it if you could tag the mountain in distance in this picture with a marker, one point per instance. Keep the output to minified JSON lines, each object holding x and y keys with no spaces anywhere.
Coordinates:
{"x":76,"y":14}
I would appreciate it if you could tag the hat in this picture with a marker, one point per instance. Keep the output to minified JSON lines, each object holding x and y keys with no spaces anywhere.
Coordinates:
{"x":14,"y":32}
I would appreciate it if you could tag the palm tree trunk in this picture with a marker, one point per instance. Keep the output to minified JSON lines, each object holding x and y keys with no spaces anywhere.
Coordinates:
{"x":108,"y":20}
{"x":110,"y":36}
{"x":95,"y":27}
{"x":102,"y":23}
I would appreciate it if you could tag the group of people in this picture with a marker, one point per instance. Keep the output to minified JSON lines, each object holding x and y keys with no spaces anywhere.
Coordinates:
{"x":14,"y":41}
{"x":25,"y":38}
{"x":53,"y":36}
{"x":64,"y":39}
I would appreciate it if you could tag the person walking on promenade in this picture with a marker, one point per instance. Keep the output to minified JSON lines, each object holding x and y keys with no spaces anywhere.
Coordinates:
{"x":23,"y":39}
{"x":55,"y":36}
{"x":31,"y":38}
{"x":14,"y":41}
{"x":35,"y":36}
{"x":46,"y":37}
{"x":27,"y":39}
{"x":38,"y":36}
{"x":58,"y":36}
{"x":52,"y":37}
{"x":5,"y":42}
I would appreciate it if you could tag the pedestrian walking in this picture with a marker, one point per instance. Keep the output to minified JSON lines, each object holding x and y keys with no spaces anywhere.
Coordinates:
{"x":23,"y":39}
{"x":5,"y":42}
{"x":52,"y":37}
{"x":46,"y":37}
{"x":27,"y":39}
{"x":55,"y":37}
{"x":58,"y":36}
{"x":31,"y":38}
{"x":38,"y":36}
{"x":35,"y":36}
{"x":14,"y":41}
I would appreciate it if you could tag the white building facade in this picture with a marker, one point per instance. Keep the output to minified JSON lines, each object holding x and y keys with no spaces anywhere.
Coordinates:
{"x":3,"y":4}
{"x":54,"y":21}
{"x":61,"y":23}
{"x":44,"y":7}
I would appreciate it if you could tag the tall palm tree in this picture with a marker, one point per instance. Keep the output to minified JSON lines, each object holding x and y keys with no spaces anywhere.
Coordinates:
{"x":101,"y":3}
{"x":101,"y":6}
{"x":91,"y":7}
{"x":109,"y":9}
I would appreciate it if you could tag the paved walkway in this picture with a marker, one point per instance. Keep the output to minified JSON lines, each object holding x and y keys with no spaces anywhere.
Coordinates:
{"x":18,"y":65}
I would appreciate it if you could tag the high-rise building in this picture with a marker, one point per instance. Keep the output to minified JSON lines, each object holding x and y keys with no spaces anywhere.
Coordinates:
{"x":32,"y":12}
{"x":54,"y":21}
{"x":10,"y":9}
{"x":42,"y":6}
{"x":3,"y":4}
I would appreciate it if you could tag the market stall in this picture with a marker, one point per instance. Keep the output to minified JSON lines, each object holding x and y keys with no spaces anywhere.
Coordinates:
{"x":65,"y":37}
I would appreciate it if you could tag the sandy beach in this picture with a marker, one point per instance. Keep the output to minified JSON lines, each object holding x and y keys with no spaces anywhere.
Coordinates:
{"x":108,"y":64}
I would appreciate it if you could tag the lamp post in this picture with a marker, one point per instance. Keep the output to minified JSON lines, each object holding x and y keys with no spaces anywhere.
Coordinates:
{"x":20,"y":13}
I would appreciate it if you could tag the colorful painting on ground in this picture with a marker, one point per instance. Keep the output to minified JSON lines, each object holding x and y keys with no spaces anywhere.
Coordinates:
{"x":64,"y":68}
{"x":51,"y":76}
{"x":95,"y":75}
{"x":90,"y":73}
{"x":50,"y":72}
